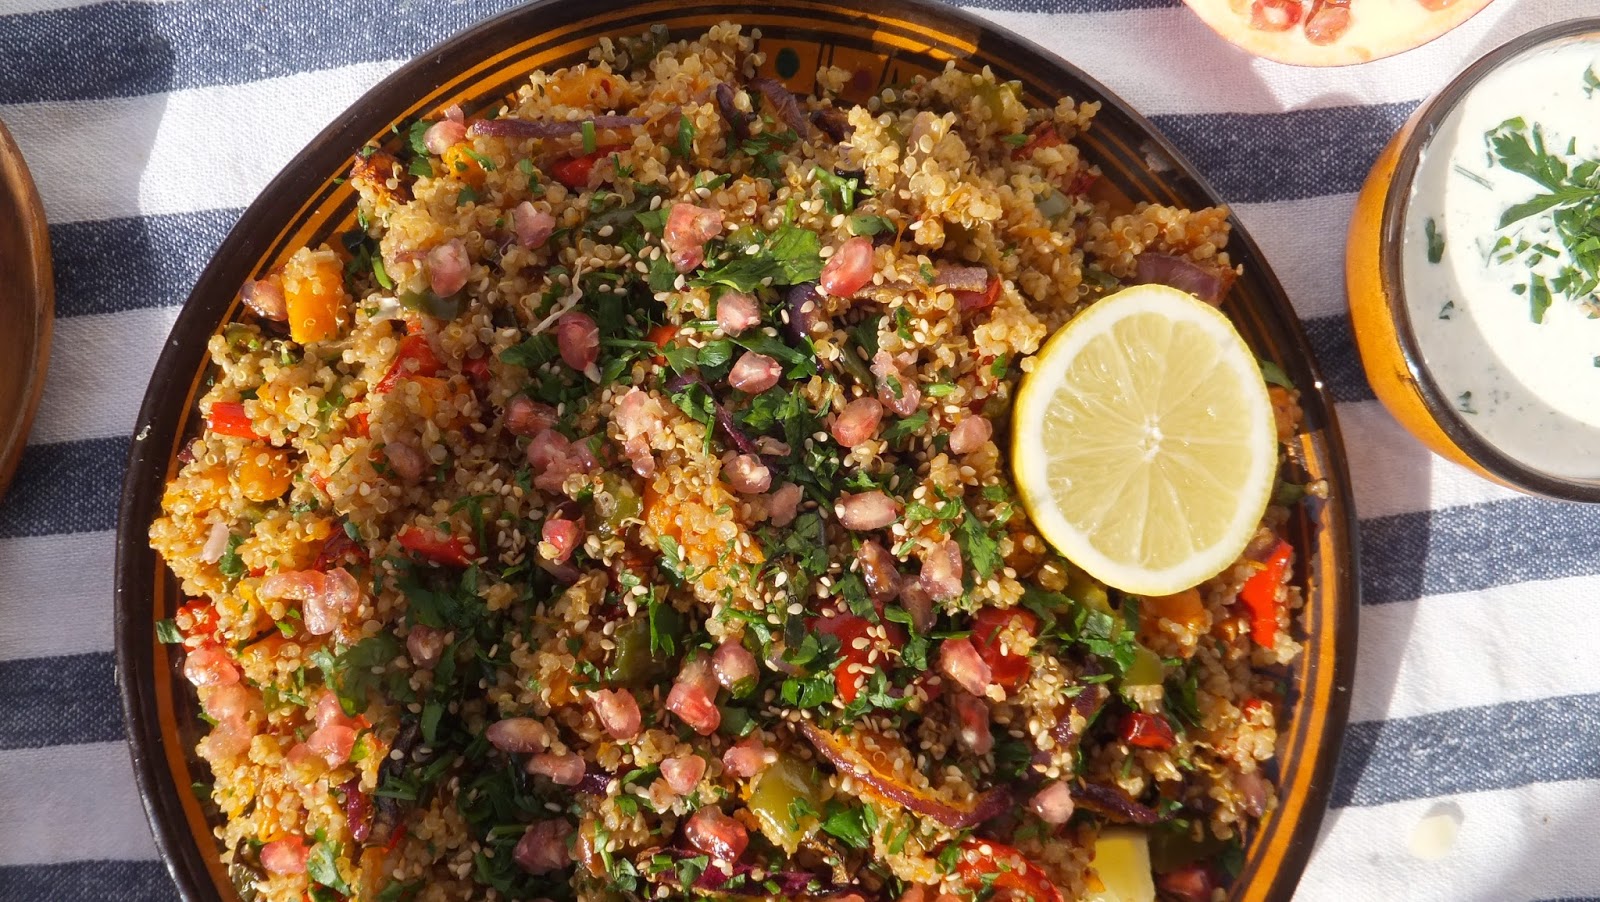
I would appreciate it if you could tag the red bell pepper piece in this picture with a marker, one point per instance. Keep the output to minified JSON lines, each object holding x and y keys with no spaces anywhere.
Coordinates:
{"x":203,"y":625}
{"x":229,"y":418}
{"x":979,"y":300}
{"x":476,"y":370}
{"x":984,"y":863}
{"x":574,"y":171}
{"x":662,"y":336}
{"x":435,"y":546}
{"x":1043,"y":135}
{"x":412,"y":348}
{"x":847,"y":628}
{"x":1147,"y":731}
{"x":1260,"y":594}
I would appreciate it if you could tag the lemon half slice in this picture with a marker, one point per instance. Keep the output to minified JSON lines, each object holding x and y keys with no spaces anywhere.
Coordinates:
{"x":1143,"y":443}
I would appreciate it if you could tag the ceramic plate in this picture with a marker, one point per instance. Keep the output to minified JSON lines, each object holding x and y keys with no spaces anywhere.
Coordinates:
{"x":310,"y":202}
{"x":27,"y":304}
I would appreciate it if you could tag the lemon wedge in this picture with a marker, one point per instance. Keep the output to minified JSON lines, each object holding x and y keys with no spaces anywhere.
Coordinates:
{"x":1143,"y":443}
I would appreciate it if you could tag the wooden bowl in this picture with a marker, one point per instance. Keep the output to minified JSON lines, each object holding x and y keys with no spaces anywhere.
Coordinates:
{"x":27,"y":304}
{"x":1379,"y":314}
{"x":885,"y":42}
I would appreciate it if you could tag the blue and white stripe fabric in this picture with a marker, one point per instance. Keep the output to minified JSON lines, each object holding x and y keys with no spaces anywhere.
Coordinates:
{"x":150,"y":125}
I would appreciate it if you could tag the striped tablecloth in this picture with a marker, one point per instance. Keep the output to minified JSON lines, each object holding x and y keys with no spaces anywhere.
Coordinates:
{"x":150,"y":125}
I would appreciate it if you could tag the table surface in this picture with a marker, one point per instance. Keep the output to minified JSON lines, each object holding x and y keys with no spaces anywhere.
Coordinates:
{"x":150,"y":125}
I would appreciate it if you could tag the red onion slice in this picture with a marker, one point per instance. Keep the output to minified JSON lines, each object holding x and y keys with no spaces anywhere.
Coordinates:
{"x":545,"y":128}
{"x":962,"y":278}
{"x":783,"y":103}
{"x":1207,"y":283}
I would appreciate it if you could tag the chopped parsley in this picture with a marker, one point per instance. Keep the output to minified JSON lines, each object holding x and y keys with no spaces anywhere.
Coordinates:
{"x":230,"y":565}
{"x":685,"y":145}
{"x":851,"y":824}
{"x":321,"y":866}
{"x":1435,"y":240}
{"x":167,"y":632}
{"x":839,"y":192}
{"x":1570,"y":196}
{"x":869,"y":225}
{"x":788,"y":256}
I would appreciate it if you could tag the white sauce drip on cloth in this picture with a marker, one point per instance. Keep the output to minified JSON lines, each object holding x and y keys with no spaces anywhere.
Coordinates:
{"x":1529,"y":388}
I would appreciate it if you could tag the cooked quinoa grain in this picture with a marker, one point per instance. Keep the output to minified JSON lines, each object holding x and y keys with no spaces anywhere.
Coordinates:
{"x":619,"y":512}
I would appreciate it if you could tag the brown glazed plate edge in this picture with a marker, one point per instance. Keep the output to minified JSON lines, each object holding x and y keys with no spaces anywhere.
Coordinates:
{"x":27,"y":281}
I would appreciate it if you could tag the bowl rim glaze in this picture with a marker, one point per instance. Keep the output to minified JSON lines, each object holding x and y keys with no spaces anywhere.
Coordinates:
{"x":1423,"y":126}
{"x":27,"y":284}
{"x":1323,"y":675}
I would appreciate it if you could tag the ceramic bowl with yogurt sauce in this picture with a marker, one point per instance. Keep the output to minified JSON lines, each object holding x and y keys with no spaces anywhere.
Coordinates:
{"x":1472,"y":265}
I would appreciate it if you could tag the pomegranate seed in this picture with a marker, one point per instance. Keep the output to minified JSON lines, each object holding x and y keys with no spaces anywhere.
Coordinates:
{"x":688,"y":229}
{"x":562,"y":770}
{"x":527,"y":417}
{"x":878,"y":571}
{"x":849,"y":269}
{"x":747,"y":474}
{"x":748,"y":757}
{"x":425,"y":645}
{"x":546,"y":448}
{"x":1190,"y":883}
{"x":209,"y":665}
{"x":736,"y":312}
{"x":618,"y":711}
{"x":683,"y":774}
{"x":917,"y":603}
{"x":973,"y":714}
{"x":857,"y":422}
{"x":333,"y":743}
{"x":783,"y":504}
{"x":970,"y":434}
{"x":941,"y":571}
{"x":448,"y":267}
{"x":1053,"y":804}
{"x":578,"y":339}
{"x":563,"y":536}
{"x":734,"y":665}
{"x":895,"y":390}
{"x":405,"y":460}
{"x":754,"y":373}
{"x":543,"y":848}
{"x":532,"y":225}
{"x":285,"y":856}
{"x":959,"y":660}
{"x":330,"y":712}
{"x":1328,"y":22}
{"x":233,"y":702}
{"x":867,"y":510}
{"x":265,"y":297}
{"x":716,"y":834}
{"x":693,"y":697}
{"x":518,"y":734}
{"x":1275,"y":15}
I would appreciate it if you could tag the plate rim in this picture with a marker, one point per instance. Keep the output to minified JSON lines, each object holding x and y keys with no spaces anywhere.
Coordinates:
{"x":145,"y":473}
{"x":36,"y":277}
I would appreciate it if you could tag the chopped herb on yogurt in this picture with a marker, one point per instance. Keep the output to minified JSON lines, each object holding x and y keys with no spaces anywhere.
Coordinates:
{"x":1571,"y":198}
{"x":1435,"y":241}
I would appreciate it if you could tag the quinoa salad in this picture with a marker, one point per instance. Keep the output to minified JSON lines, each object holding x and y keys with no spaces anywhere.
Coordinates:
{"x":619,"y":511}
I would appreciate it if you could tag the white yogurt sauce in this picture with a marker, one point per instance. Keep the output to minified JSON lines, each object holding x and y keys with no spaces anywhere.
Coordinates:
{"x":1531,"y":389}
